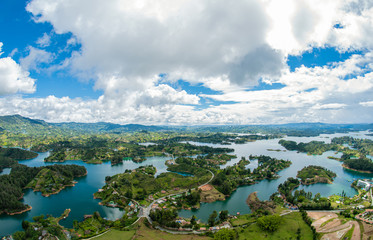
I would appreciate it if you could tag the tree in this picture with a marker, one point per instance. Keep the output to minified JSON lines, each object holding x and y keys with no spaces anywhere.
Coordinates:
{"x":20,"y":235}
{"x":25,"y":224}
{"x":212,"y":218}
{"x":129,"y":194}
{"x":269,"y":223}
{"x":223,"y":215}
{"x":193,"y":220}
{"x":225,"y":234}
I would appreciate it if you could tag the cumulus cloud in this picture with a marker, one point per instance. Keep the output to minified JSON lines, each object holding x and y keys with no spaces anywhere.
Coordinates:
{"x":13,"y":79}
{"x":193,"y":40}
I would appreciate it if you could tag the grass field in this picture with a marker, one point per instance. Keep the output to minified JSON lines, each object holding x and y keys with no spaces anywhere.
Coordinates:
{"x":242,"y":220}
{"x":117,"y":235}
{"x":287,"y":230}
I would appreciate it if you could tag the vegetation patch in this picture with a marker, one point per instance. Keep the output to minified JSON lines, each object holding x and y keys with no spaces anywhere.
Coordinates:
{"x":315,"y":174}
{"x":255,"y":204}
{"x":290,"y":226}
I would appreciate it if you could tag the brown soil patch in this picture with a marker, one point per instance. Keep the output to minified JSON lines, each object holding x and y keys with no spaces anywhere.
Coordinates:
{"x":210,"y":194}
{"x":356,"y":233}
{"x":206,"y":187}
{"x":318,"y":215}
{"x":335,"y":235}
{"x":334,"y":230}
{"x":321,"y":217}
{"x":368,"y":230}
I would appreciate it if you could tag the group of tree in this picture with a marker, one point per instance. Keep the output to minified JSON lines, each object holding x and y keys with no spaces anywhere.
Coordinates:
{"x":165,"y":217}
{"x":216,"y":218}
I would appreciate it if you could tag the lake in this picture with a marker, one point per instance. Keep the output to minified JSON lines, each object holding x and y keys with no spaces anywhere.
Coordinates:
{"x":80,"y":198}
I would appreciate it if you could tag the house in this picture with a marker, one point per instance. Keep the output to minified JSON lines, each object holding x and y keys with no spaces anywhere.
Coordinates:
{"x":363,"y":184}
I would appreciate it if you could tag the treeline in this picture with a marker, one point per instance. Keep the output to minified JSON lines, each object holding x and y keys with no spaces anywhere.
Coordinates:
{"x":308,"y":221}
{"x":17,"y":153}
{"x":313,"y":147}
{"x":11,"y":185}
{"x":362,"y":164}
{"x":6,"y":162}
{"x":165,"y":218}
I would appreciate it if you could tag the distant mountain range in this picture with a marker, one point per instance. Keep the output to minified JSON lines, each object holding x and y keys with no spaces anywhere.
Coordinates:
{"x":20,"y":124}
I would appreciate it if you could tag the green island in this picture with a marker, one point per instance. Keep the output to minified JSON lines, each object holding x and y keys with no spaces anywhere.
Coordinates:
{"x":141,"y":185}
{"x":51,"y":180}
{"x":315,"y":174}
{"x":48,"y":180}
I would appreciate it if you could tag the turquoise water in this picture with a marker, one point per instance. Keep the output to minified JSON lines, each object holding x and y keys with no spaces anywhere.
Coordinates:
{"x":5,"y":171}
{"x":80,"y":198}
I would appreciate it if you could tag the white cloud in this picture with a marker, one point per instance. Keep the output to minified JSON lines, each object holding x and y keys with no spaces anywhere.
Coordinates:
{"x":35,"y":58}
{"x":329,"y":106}
{"x":13,"y":79}
{"x":193,"y":40}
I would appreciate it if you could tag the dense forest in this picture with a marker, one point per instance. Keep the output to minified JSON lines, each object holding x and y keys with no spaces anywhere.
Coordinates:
{"x":17,"y":153}
{"x":361,"y":164}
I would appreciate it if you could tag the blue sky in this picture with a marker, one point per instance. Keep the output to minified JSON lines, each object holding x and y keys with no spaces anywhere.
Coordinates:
{"x":187,"y":62}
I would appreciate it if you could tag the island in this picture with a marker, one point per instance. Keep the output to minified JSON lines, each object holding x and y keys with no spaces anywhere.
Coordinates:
{"x":141,"y":185}
{"x":51,"y":180}
{"x":315,"y":174}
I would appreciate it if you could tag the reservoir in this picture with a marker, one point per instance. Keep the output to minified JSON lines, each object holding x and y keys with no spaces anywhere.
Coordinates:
{"x":80,"y":198}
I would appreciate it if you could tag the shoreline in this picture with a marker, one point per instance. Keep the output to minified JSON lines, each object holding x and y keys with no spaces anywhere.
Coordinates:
{"x":72,"y":184}
{"x":362,"y":171}
{"x":19,"y":212}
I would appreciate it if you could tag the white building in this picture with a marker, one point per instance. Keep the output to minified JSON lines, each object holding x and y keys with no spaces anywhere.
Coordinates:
{"x":364,"y":184}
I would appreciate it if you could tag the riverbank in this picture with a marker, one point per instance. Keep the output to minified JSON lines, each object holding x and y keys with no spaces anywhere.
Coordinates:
{"x":19,"y":212}
{"x":355,"y":170}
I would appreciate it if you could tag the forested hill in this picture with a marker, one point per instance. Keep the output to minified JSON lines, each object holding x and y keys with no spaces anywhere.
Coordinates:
{"x":22,"y":125}
{"x":18,"y":124}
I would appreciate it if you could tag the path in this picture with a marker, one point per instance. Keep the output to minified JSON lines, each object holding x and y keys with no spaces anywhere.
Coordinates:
{"x":146,"y":211}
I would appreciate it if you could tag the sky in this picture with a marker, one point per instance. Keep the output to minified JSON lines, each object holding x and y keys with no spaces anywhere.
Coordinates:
{"x":187,"y":62}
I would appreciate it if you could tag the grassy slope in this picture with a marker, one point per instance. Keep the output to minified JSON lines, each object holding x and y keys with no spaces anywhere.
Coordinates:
{"x":287,"y":230}
{"x":143,"y":232}
{"x":117,"y":235}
